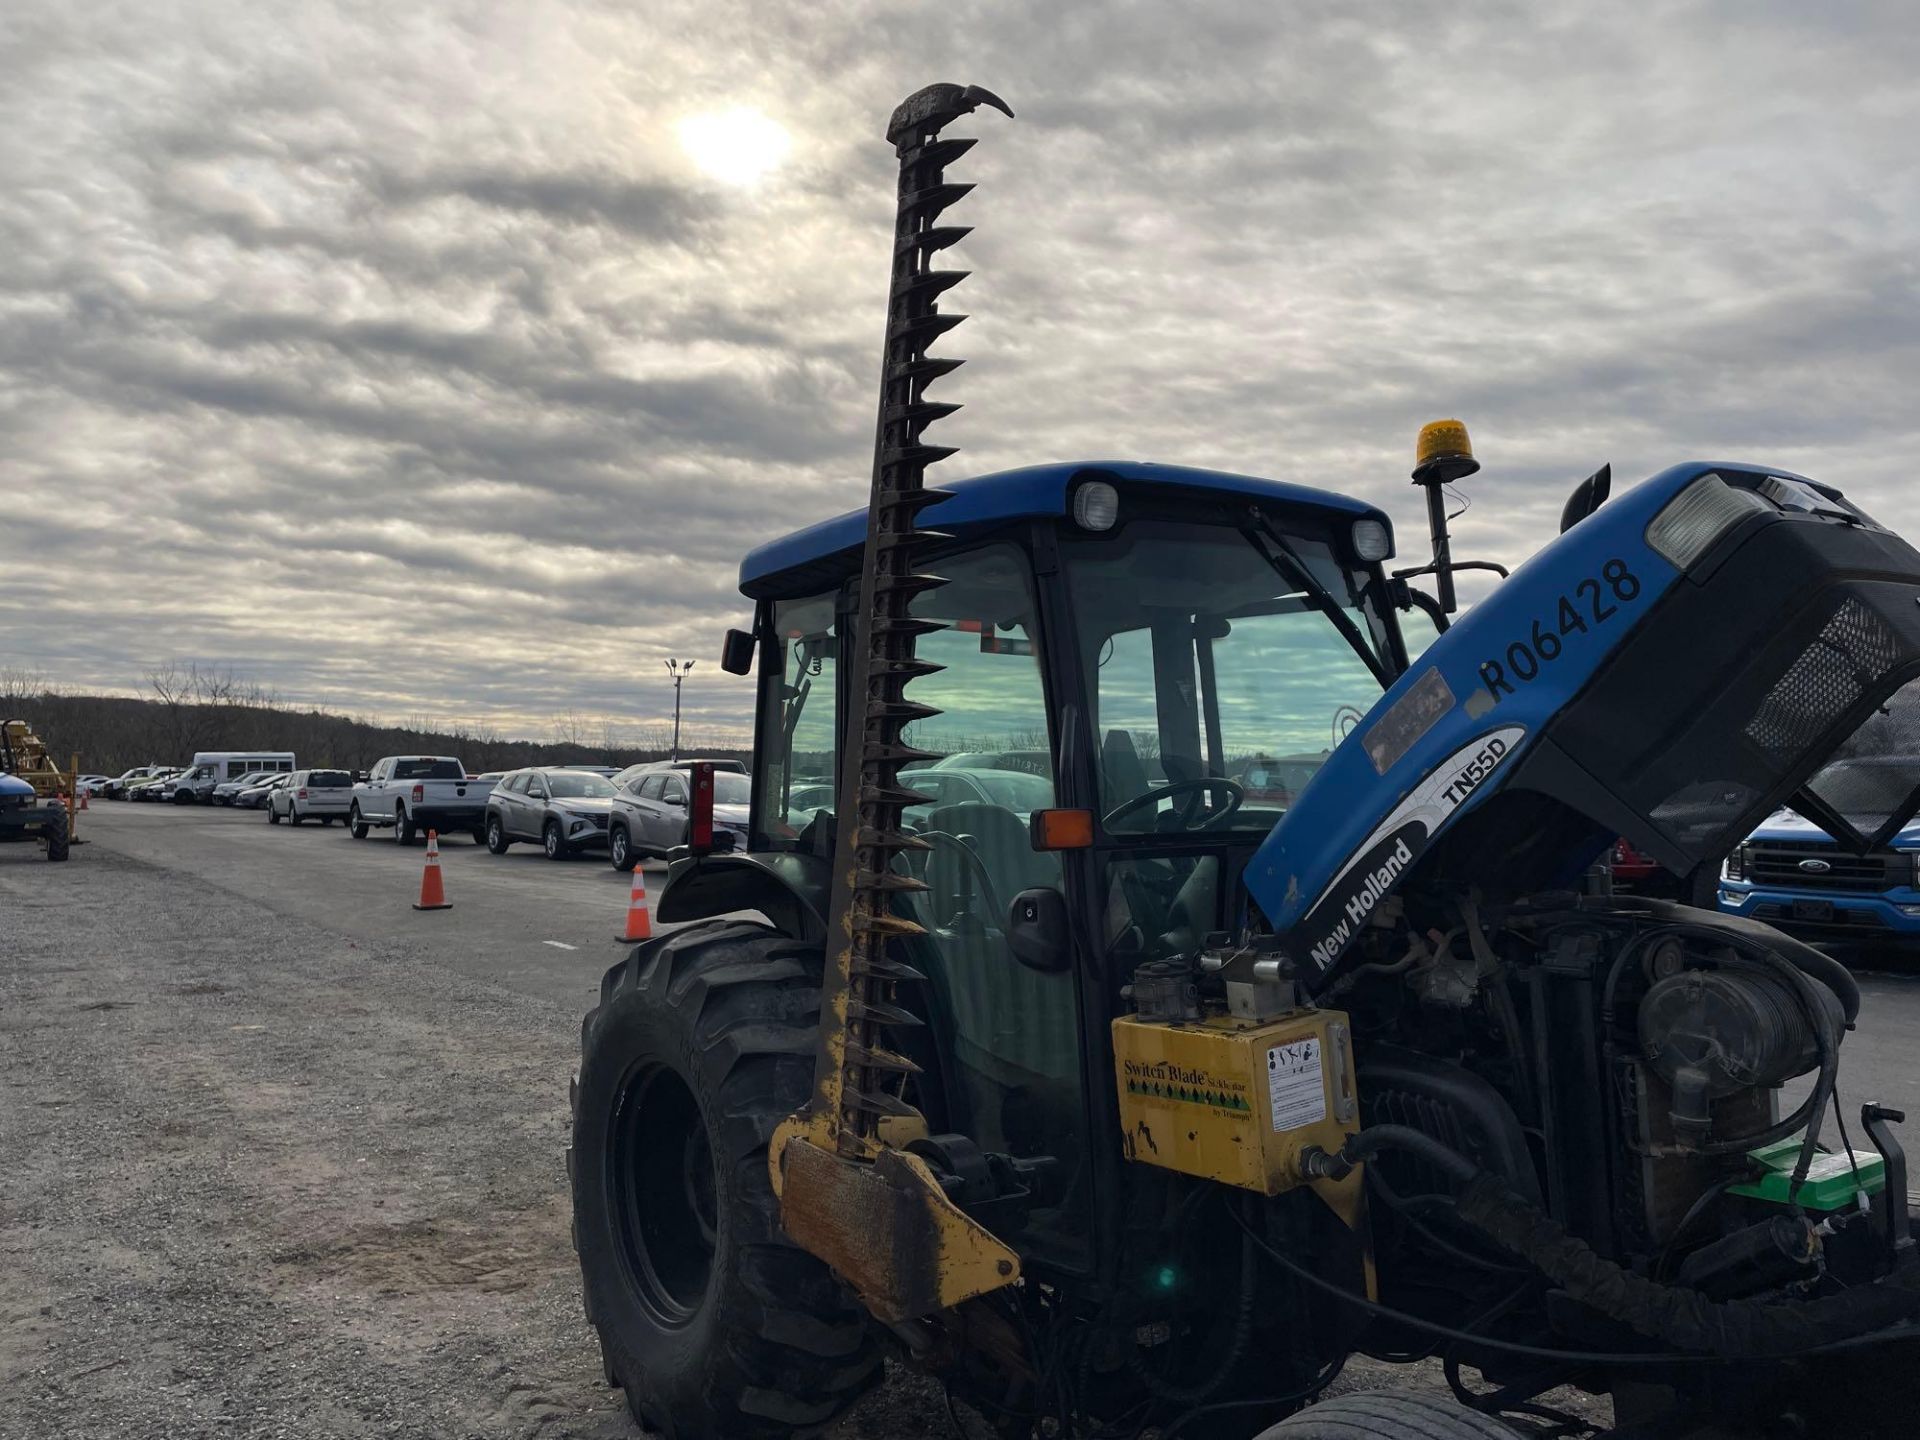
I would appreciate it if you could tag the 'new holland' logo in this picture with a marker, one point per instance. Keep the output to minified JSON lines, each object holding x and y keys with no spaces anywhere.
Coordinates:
{"x":1375,"y":888}
{"x":1348,"y":902}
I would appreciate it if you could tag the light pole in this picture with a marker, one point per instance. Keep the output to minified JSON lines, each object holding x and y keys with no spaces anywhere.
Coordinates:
{"x":678,"y":669}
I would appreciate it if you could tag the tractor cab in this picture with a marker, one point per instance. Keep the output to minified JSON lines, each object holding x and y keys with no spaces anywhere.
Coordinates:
{"x":1143,"y":640}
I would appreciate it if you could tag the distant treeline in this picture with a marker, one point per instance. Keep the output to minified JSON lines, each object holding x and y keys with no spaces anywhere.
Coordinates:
{"x":195,"y":710}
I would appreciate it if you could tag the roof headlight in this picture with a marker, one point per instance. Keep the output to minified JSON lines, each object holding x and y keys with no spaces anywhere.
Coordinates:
{"x":1096,"y":505}
{"x":1690,"y":523}
{"x":1372,"y":541}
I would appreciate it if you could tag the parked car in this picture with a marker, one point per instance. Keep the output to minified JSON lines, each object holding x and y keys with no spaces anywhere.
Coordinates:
{"x":224,"y":792}
{"x":323,"y":795}
{"x":1635,"y":873}
{"x":88,"y":784}
{"x":1031,"y":762}
{"x":1795,"y":876}
{"x":116,"y":788}
{"x":650,"y":814}
{"x":417,"y":793}
{"x":1267,"y":781}
{"x":154,"y":787}
{"x":806,"y":801}
{"x":564,"y":810}
{"x":254,"y":797}
{"x":1013,"y":790}
{"x":626,"y":777}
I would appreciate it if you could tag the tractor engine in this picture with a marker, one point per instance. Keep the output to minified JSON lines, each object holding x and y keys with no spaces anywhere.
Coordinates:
{"x":1639,"y":1071}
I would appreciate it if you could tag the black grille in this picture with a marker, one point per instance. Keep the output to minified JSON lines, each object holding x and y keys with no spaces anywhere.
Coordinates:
{"x":1839,"y":919}
{"x":1778,"y":862}
{"x":1852,"y":651}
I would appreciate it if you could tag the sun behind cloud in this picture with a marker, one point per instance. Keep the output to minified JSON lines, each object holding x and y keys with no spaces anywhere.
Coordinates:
{"x":737,"y":146}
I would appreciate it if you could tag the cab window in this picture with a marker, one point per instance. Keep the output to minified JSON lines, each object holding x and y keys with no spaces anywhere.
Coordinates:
{"x":798,"y":720}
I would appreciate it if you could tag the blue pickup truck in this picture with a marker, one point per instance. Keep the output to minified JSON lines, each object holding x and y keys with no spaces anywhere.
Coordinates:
{"x":1794,"y":875}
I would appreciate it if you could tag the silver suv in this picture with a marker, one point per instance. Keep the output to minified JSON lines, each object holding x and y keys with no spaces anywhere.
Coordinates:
{"x":563,"y":810}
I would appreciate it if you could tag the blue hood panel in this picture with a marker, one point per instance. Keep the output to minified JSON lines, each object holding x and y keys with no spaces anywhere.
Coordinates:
{"x":14,"y":785}
{"x":1451,"y":731}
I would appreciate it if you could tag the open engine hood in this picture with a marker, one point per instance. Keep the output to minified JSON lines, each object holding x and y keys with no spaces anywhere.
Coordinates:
{"x":1671,"y":669}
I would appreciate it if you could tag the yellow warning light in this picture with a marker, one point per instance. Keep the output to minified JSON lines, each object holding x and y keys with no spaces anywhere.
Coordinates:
{"x":1443,"y":453}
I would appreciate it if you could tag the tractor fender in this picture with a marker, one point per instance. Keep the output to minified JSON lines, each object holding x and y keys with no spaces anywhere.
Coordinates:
{"x":789,"y":889}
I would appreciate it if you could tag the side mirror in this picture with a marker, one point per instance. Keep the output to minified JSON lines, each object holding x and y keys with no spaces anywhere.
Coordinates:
{"x":736,"y":652}
{"x":1037,"y":930}
{"x":1587,"y":497}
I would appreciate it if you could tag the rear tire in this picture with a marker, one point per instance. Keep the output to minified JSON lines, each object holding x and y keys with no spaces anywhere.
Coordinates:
{"x":294,"y":817}
{"x":716,"y":1325}
{"x":1388,"y":1415}
{"x":58,"y":837}
{"x":402,"y":826}
{"x":356,"y":827}
{"x":620,"y":853}
{"x":497,"y":840}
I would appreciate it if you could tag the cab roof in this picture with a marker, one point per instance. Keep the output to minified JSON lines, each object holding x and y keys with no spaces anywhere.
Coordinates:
{"x":819,"y":555}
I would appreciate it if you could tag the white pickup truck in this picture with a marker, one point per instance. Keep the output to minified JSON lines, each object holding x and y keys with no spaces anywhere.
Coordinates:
{"x":417,"y":793}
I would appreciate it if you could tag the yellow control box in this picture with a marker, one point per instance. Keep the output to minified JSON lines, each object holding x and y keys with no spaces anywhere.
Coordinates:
{"x":1235,"y":1100}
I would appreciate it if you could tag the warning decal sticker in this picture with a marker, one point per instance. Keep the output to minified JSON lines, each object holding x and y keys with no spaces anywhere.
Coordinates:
{"x":1294,"y":1085}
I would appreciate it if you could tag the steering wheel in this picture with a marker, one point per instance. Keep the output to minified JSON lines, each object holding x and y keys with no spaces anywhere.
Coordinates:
{"x":1236,"y":796}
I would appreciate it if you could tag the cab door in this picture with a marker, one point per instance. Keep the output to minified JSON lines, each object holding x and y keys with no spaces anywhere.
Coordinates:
{"x":1011,"y":1059}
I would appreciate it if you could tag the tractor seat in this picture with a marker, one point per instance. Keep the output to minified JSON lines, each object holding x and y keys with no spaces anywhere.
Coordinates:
{"x":1008,"y":861}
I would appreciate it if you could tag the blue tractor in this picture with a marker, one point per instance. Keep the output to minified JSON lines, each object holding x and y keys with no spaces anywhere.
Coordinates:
{"x":1137,"y":1095}
{"x":25,"y":816}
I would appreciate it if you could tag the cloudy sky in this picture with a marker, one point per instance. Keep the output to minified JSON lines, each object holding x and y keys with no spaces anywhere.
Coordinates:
{"x":443,"y":358}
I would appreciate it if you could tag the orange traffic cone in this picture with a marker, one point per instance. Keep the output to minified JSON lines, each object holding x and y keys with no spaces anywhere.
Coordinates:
{"x":83,"y":799}
{"x":639,"y":922}
{"x":433,"y":893}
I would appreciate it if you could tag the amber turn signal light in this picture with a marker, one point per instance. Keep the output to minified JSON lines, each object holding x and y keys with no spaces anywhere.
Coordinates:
{"x":1062,"y":829}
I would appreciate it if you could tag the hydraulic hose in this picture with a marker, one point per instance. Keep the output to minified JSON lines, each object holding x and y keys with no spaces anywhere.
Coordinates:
{"x":1681,"y":1317}
{"x":1687,"y":1319}
{"x":1375,"y":1138}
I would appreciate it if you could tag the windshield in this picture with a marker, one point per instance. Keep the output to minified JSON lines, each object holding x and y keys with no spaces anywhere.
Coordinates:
{"x":730,"y":787}
{"x":1217,"y":673}
{"x":577,"y":784}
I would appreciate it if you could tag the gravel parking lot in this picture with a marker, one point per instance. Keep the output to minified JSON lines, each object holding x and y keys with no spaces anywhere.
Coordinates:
{"x":283,"y":1157}
{"x":265,"y":1179}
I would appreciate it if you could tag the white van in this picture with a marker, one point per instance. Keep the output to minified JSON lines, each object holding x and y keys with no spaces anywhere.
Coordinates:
{"x":216,"y":767}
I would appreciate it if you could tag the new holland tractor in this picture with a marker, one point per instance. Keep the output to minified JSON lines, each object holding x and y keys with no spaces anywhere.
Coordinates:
{"x":31,"y":791}
{"x":1132,"y":1098}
